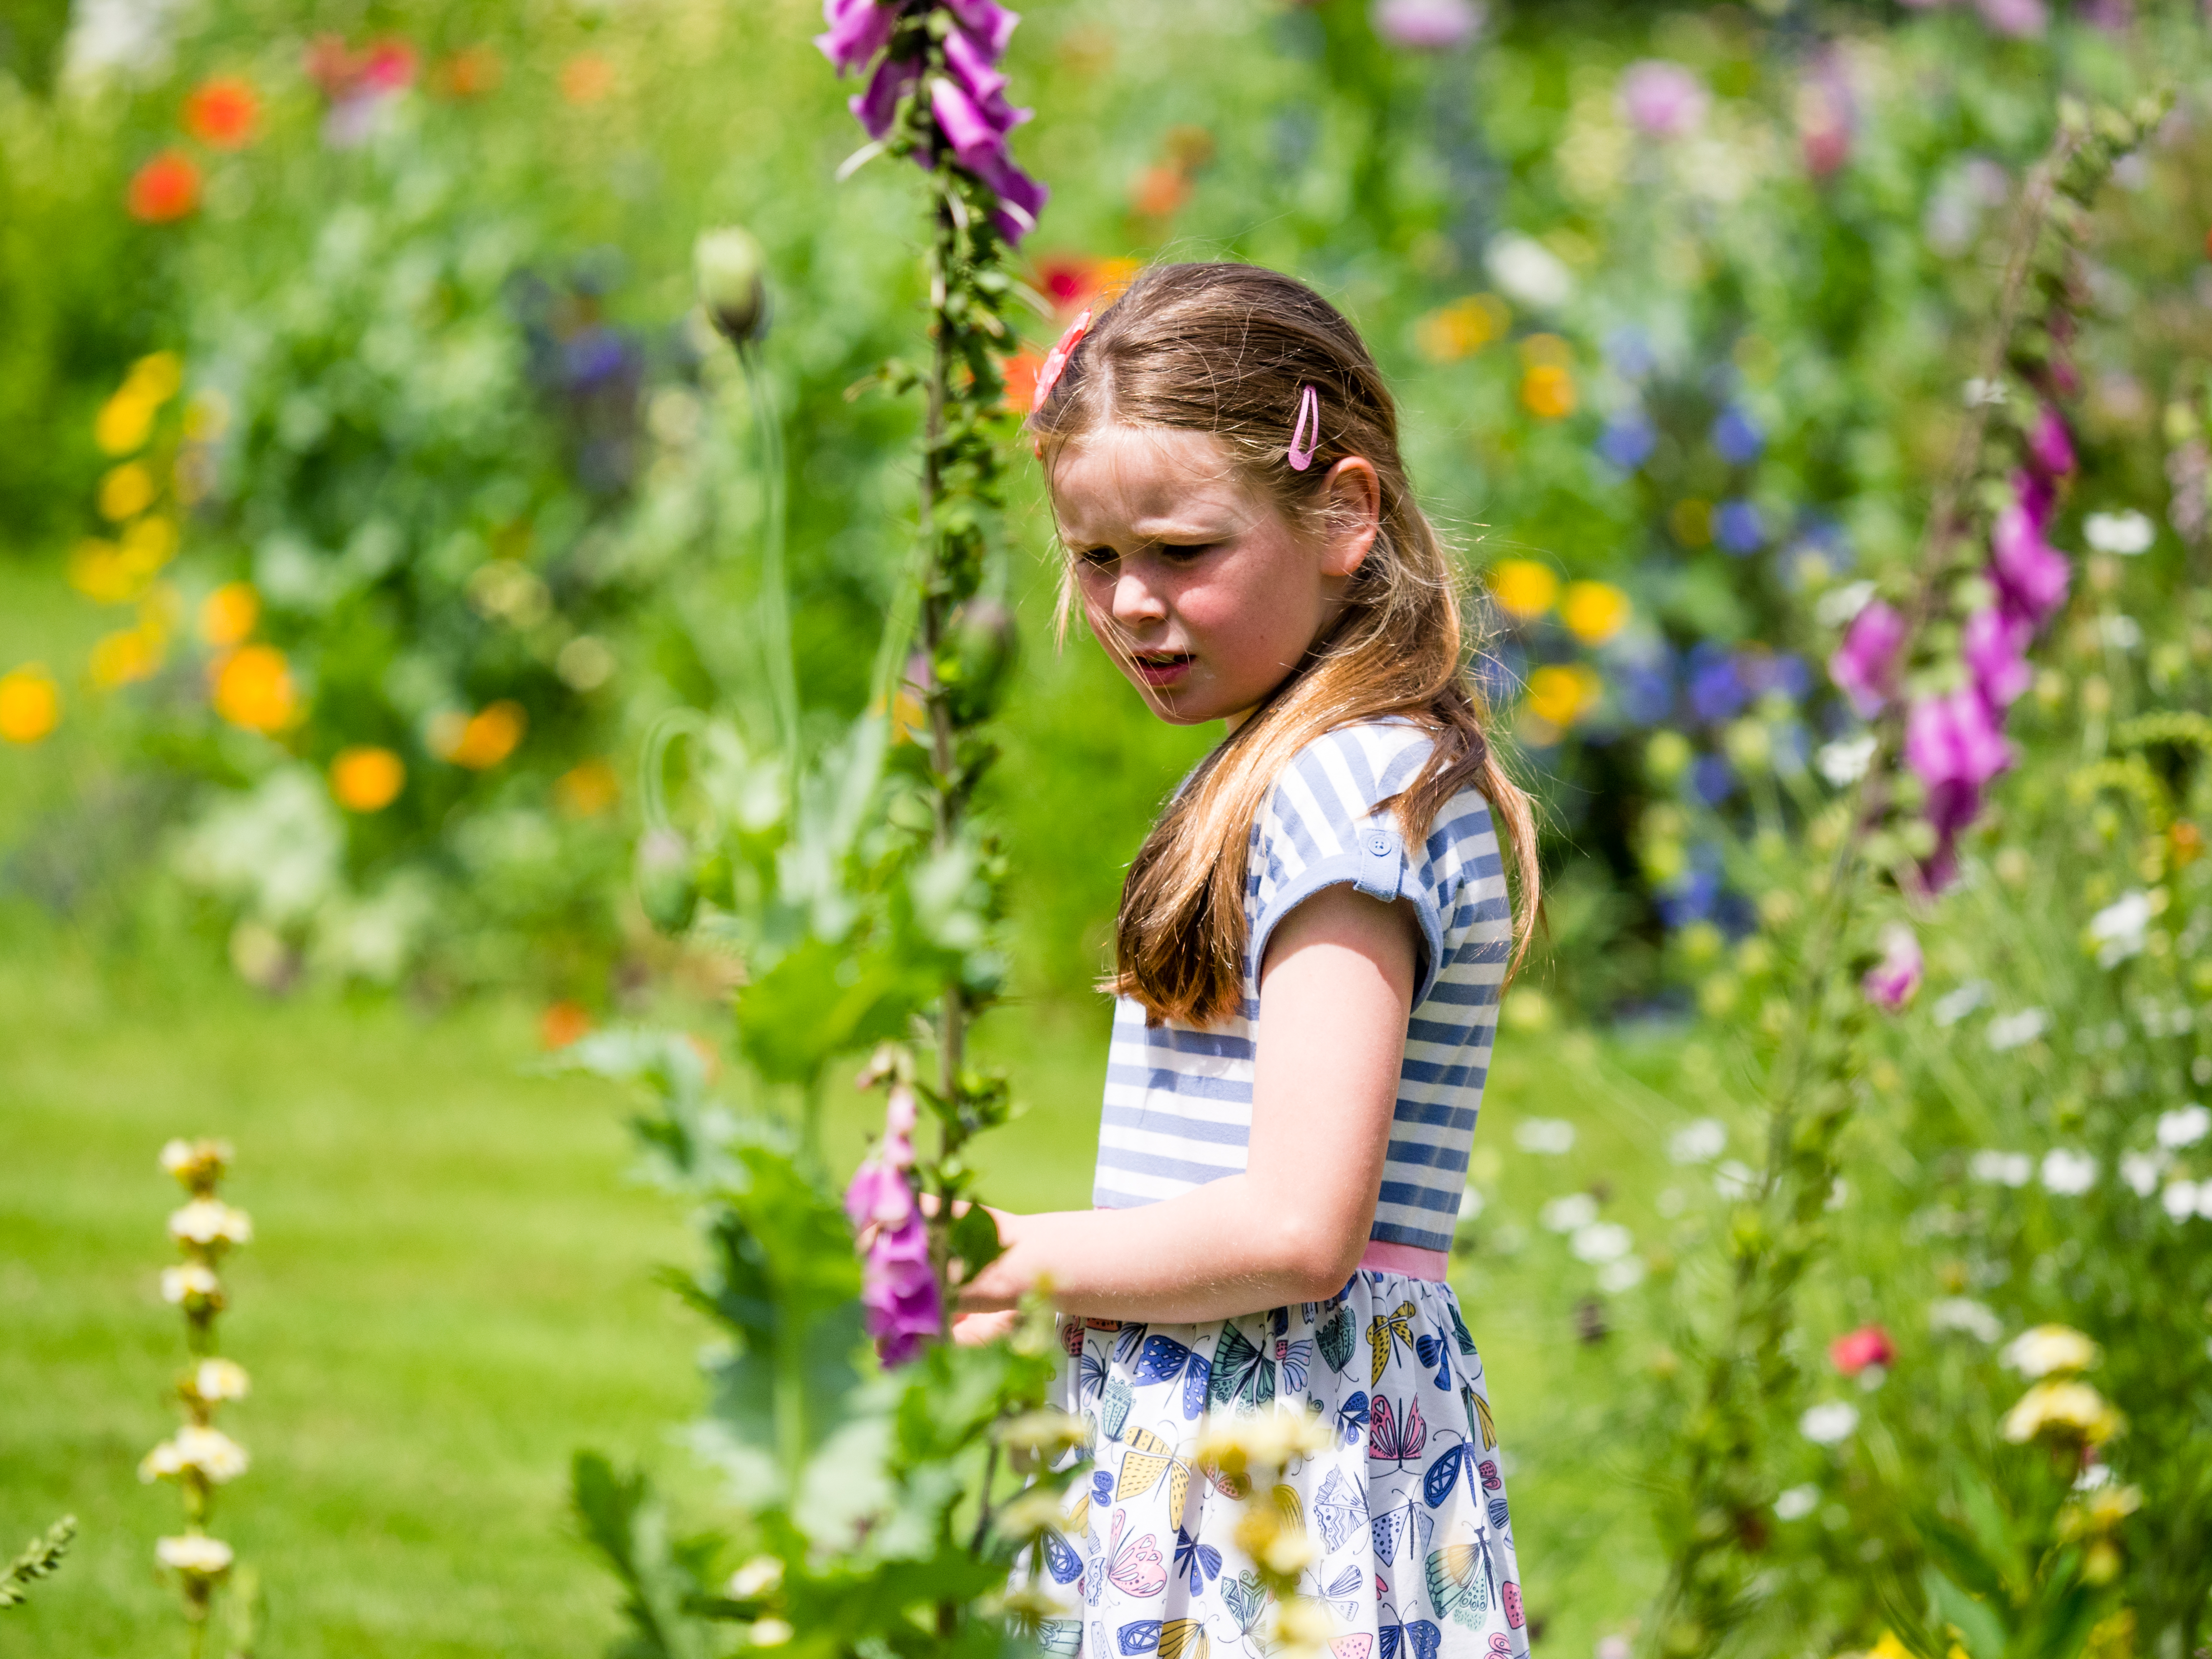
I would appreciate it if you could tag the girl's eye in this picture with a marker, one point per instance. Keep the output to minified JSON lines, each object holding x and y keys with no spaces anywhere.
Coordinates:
{"x":1184,"y":552}
{"x":1096,"y":558}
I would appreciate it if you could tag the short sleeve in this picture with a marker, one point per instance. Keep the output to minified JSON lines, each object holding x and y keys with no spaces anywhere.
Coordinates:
{"x":1319,"y":828}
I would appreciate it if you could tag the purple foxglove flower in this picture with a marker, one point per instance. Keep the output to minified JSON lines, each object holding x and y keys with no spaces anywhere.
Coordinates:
{"x":1995,"y":649}
{"x":858,"y":30}
{"x":1891,"y":982}
{"x":874,"y":107}
{"x":899,"y":1295}
{"x":973,"y":68}
{"x":1864,"y":666}
{"x":2018,"y":18}
{"x":2049,"y":446}
{"x":975,"y":139}
{"x":1663,"y":99}
{"x":1021,"y":197}
{"x":1954,"y":743}
{"x":1427,"y":25}
{"x":990,"y":23}
{"x":2032,"y":576}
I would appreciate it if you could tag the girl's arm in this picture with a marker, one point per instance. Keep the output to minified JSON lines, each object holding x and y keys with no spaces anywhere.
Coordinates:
{"x":1335,"y":989}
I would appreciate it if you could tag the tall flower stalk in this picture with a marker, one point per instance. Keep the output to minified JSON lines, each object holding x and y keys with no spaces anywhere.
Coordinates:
{"x":200,"y":1457}
{"x":1936,"y":664}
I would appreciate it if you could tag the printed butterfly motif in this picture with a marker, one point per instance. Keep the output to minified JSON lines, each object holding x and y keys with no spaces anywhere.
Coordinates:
{"x":1352,"y":1416}
{"x":1358,"y":1645}
{"x":1340,"y":1506}
{"x":1500,"y":1517}
{"x":1133,"y":1568}
{"x":1245,"y":1599}
{"x":1509,"y":1597}
{"x":1341,"y":1592}
{"x":1392,"y":1527}
{"x":1127,"y":1336}
{"x":1488,"y":1471}
{"x":1443,"y":1474}
{"x":1162,"y":1359}
{"x":1143,"y":1466}
{"x":1394,"y":1439}
{"x":1293,"y":1359}
{"x":1091,"y":1375}
{"x":1171,"y":1638}
{"x":1419,"y":1638}
{"x":1459,"y":1333}
{"x":1062,"y":1562}
{"x":1335,"y":1339}
{"x":1432,"y":1350}
{"x":1288,"y":1506}
{"x":1462,"y":1580}
{"x":1114,"y":1408}
{"x":1071,"y":1337}
{"x":1279,"y":1320}
{"x":1078,"y":1524}
{"x":1241,"y":1373}
{"x":1200,"y":1563}
{"x":1385,"y":1333}
{"x":1480,"y":1425}
{"x":1061,"y":1636}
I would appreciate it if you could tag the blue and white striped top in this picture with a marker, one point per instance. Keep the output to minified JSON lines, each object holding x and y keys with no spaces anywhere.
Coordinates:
{"x":1178,"y":1109}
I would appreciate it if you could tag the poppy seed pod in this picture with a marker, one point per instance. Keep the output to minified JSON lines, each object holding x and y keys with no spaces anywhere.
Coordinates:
{"x":729,"y":265}
{"x":665,"y":888}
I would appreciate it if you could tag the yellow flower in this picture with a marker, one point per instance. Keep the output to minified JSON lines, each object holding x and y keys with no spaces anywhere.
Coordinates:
{"x":228,"y":614}
{"x":1262,"y":1440}
{"x":149,"y":545}
{"x":30,"y":703}
{"x":367,"y":779}
{"x":587,"y":788}
{"x":1524,"y":590}
{"x":1046,"y":1432}
{"x":191,"y":1286}
{"x":2068,"y":1411}
{"x":2103,"y":1511}
{"x":209,"y":1453}
{"x":126,"y":421}
{"x":253,"y":688}
{"x":1462,"y":328}
{"x":218,"y":1379}
{"x":128,"y":655}
{"x":156,"y":376}
{"x":195,"y":1555}
{"x":2048,"y":1348}
{"x":1547,"y":391}
{"x":1561,"y":694}
{"x":1595,"y":611}
{"x":771,"y":1632}
{"x":197,"y":1163}
{"x":206,"y":416}
{"x":482,"y":740}
{"x":97,"y":570}
{"x":126,"y":491}
{"x":761,"y":1575}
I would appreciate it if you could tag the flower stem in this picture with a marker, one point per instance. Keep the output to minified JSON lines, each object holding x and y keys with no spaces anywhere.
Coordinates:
{"x":775,"y":596}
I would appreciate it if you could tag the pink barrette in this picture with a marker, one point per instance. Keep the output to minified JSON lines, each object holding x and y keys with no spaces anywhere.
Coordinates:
{"x":1305,"y":431}
{"x":1055,"y":360}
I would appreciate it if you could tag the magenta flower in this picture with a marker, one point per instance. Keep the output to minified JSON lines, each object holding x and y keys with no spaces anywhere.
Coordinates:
{"x":1864,"y":666}
{"x":899,"y":1292}
{"x":1891,"y":982}
{"x":2032,"y":576}
{"x":1665,"y":100}
{"x":1953,"y":744}
{"x":858,"y":30}
{"x":2049,"y":446}
{"x":1995,"y":651}
{"x":1427,"y":25}
{"x":2020,"y":18}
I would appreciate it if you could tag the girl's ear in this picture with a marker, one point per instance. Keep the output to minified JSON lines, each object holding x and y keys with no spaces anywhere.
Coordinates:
{"x":1352,"y":514}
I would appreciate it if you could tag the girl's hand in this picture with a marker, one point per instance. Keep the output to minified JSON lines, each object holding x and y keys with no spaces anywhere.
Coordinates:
{"x":976,"y":1330}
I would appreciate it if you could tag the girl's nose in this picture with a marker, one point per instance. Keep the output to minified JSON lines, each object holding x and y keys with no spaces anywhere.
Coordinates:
{"x":1135,"y":602}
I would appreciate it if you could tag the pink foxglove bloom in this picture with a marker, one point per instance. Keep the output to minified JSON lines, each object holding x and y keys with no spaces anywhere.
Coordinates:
{"x":1891,"y":982}
{"x":2032,"y":576}
{"x":858,"y":30}
{"x":1853,"y":1351}
{"x":1864,"y":666}
{"x":1954,"y":743}
{"x":2049,"y":446}
{"x":1427,"y":25}
{"x":1995,"y":650}
{"x":1663,"y":99}
{"x":898,"y":1286}
{"x":2022,"y":19}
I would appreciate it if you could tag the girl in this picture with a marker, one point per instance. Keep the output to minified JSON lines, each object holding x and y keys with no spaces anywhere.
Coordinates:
{"x":1311,"y":951}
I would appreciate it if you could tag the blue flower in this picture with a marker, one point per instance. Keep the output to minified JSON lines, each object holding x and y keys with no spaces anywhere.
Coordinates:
{"x":1717,"y":688}
{"x":1713,"y":778}
{"x":1628,"y":352}
{"x":1738,"y":528}
{"x":1628,"y":440}
{"x":1737,"y":437}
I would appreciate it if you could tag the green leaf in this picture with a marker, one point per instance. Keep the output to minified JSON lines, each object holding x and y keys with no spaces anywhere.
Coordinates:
{"x":1981,"y":1631}
{"x":819,"y":1001}
{"x":625,"y":1523}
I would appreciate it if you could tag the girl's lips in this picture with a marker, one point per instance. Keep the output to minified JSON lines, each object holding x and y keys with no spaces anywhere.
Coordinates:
{"x":1164,"y":668}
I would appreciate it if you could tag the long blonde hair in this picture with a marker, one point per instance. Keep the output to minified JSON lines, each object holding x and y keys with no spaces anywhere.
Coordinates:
{"x":1226,"y":349}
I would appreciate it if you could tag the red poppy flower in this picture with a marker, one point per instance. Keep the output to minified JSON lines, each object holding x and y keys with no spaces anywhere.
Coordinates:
{"x":388,"y":66}
{"x":222,"y":113}
{"x":1853,"y":1351}
{"x":165,"y":189}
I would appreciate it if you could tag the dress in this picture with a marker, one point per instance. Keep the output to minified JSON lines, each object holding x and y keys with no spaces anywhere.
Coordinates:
{"x":1408,"y":1504}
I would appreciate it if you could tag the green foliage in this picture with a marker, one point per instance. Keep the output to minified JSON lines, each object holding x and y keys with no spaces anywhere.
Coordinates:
{"x":41,"y":1558}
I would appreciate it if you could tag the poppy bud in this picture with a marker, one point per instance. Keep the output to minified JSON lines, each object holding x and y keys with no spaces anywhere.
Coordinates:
{"x":664,"y":885}
{"x":729,"y":263}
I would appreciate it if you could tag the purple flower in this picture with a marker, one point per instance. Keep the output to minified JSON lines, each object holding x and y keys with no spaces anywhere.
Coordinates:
{"x":992,"y":25}
{"x":898,"y":1288}
{"x":1427,"y":25}
{"x":976,"y":71}
{"x":1665,"y":100}
{"x":2018,"y":18}
{"x":1738,"y":529}
{"x":1953,"y":744}
{"x":1713,"y":778}
{"x":1995,"y":650}
{"x":875,"y":106}
{"x":2032,"y":576}
{"x":1737,"y":436}
{"x":858,"y":30}
{"x":2049,"y":446}
{"x":1627,"y":441}
{"x":1864,"y":666}
{"x":1892,"y":981}
{"x":1717,"y":688}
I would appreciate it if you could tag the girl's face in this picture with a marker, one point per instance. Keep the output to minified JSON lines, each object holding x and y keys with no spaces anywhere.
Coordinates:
{"x":1201,"y":591}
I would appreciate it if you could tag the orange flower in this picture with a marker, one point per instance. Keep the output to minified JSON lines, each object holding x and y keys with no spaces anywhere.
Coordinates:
{"x":1462,"y":328}
{"x":228,"y":614}
{"x":253,"y":688}
{"x":1020,"y":371}
{"x":563,"y":1023}
{"x":367,"y":779}
{"x":164,"y":190}
{"x":586,"y":78}
{"x":471,"y":72}
{"x":1156,"y":192}
{"x":1559,"y":694}
{"x":1547,"y":391}
{"x":587,"y":789}
{"x":30,"y":703}
{"x":130,"y":654}
{"x":223,"y":111}
{"x":482,"y":740}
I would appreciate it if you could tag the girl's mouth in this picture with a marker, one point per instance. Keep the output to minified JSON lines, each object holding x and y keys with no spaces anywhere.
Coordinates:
{"x":1161,"y":668}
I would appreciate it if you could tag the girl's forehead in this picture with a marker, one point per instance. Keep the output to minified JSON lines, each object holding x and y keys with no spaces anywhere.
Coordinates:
{"x":1123,"y":477}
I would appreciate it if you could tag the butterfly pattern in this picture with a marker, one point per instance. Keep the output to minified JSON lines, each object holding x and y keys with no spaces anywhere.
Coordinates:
{"x":1406,"y":1506}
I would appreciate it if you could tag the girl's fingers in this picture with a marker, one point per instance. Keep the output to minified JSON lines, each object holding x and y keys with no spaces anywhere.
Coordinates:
{"x":975,"y":1330}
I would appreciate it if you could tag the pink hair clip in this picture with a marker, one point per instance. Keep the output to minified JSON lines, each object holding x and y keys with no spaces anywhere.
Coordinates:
{"x":1055,"y":360}
{"x":1305,"y":431}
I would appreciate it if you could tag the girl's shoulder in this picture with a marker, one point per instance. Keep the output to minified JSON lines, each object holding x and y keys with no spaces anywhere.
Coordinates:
{"x":1341,"y":784}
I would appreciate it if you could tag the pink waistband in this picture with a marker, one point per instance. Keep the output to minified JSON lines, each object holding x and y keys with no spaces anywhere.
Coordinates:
{"x":1379,"y":1257}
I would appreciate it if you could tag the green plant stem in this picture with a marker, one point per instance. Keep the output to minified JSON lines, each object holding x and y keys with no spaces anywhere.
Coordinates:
{"x":775,"y":595}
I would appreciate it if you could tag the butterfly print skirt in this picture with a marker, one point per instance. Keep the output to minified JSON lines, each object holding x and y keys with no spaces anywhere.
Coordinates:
{"x":1407,"y":1506}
